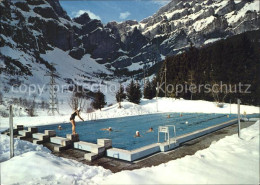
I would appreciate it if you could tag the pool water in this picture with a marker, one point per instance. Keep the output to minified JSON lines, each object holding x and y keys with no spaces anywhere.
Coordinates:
{"x":125,"y":128}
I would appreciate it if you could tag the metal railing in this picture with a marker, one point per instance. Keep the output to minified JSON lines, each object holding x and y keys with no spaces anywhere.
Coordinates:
{"x":92,"y":116}
{"x":166,"y":130}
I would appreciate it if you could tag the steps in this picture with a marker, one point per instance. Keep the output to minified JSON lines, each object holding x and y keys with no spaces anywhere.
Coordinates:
{"x":19,"y":127}
{"x":25,"y":133}
{"x":73,"y":137}
{"x":96,"y":150}
{"x":60,"y":141}
{"x":89,"y":147}
{"x":107,"y":143}
{"x":64,"y":143}
{"x":58,"y":148}
{"x":33,"y":129}
{"x":91,"y":156}
{"x":40,"y":138}
{"x":21,"y":137}
{"x":50,"y":133}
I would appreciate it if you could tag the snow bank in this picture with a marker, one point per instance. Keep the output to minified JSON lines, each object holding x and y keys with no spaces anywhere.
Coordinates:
{"x":19,"y":145}
{"x":171,"y":105}
{"x":44,"y":168}
{"x":228,"y":161}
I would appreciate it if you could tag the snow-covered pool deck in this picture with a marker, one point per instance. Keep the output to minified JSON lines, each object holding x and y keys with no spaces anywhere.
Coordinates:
{"x":142,"y":152}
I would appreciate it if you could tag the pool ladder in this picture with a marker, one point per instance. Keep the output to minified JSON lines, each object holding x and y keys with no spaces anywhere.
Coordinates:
{"x":166,"y":130}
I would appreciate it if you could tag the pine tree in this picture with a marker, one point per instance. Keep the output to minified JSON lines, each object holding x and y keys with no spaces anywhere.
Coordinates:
{"x":120,"y":95}
{"x":134,"y":92}
{"x":149,"y":90}
{"x":130,"y":91}
{"x":153,"y":87}
{"x":99,"y":101}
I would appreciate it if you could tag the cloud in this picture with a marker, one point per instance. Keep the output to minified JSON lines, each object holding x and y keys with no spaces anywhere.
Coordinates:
{"x":161,"y":2}
{"x":91,"y":14}
{"x":124,"y":15}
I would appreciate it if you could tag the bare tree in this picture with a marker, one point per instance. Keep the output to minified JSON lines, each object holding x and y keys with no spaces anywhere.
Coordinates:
{"x":15,"y":101}
{"x":1,"y":99}
{"x":89,"y":108}
{"x":219,"y":92}
{"x":30,"y":108}
{"x":34,"y":95}
{"x":6,"y":89}
{"x":43,"y":106}
{"x":76,"y":100}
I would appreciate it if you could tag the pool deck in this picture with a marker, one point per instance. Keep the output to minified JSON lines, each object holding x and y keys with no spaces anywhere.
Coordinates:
{"x":187,"y":148}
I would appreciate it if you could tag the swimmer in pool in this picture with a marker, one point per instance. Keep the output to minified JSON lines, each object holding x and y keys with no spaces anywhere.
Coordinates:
{"x":59,"y":127}
{"x":137,"y":134}
{"x":108,"y":129}
{"x":150,"y":129}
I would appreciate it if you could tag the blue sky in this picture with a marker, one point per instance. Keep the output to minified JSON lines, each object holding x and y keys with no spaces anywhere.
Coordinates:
{"x":119,"y":10}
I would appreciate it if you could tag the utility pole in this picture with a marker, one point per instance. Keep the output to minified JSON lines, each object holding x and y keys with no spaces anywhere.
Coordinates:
{"x":11,"y":131}
{"x":230,"y":106}
{"x":120,"y":106}
{"x":53,"y":102}
{"x":157,"y":92}
{"x":165,"y":76}
{"x":238,"y":116}
{"x":144,"y":76}
{"x":191,"y":82}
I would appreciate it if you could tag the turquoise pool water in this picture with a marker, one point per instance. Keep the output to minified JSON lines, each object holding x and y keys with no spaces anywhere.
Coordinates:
{"x":124,"y":128}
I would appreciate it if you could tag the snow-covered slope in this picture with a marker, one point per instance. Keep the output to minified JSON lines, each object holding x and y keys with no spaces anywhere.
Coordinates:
{"x":178,"y":23}
{"x":45,"y":25}
{"x":35,"y":34}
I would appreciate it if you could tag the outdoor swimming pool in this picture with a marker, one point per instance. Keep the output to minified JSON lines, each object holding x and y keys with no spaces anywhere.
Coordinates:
{"x":124,"y":128}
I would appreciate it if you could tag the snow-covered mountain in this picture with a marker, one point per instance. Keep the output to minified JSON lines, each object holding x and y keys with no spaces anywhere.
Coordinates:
{"x":37,"y":33}
{"x":174,"y":26}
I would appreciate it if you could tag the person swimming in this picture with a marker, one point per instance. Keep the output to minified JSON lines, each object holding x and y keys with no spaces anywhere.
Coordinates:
{"x":150,"y":129}
{"x":108,"y":129}
{"x":72,"y":119}
{"x":59,"y":127}
{"x":137,"y":134}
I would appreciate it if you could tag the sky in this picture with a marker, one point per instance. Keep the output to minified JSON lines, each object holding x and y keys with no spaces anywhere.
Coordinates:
{"x":113,"y":10}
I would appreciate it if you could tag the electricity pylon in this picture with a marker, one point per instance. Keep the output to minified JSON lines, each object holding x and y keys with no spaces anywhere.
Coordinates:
{"x":53,"y":101}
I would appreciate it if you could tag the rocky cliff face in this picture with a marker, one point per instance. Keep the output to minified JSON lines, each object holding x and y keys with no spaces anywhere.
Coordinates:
{"x":38,"y":26}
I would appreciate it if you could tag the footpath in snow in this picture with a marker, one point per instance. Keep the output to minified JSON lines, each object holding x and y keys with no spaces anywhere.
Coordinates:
{"x":230,"y":160}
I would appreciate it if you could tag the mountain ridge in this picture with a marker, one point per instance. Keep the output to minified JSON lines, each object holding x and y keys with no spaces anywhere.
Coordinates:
{"x":31,"y":29}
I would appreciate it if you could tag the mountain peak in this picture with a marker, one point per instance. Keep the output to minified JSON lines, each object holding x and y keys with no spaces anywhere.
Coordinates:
{"x":82,"y":19}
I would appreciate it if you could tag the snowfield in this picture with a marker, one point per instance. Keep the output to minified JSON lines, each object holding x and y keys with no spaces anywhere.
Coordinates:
{"x":228,"y":161}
